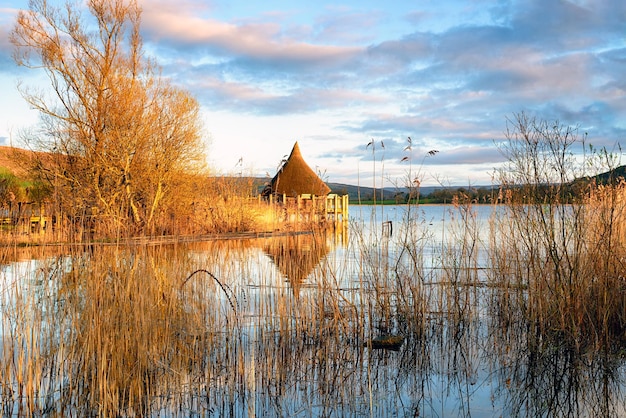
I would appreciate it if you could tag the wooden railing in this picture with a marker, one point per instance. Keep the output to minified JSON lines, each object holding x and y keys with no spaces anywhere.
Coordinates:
{"x":307,"y":207}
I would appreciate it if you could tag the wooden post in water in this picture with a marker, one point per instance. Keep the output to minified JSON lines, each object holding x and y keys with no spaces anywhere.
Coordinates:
{"x":42,"y":219}
{"x":297,"y":208}
{"x":326,"y":208}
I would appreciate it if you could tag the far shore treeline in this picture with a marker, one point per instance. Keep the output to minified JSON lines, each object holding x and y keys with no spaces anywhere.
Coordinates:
{"x":479,"y":194}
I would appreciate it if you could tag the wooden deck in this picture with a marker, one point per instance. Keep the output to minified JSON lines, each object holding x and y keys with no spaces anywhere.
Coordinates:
{"x":311,"y":208}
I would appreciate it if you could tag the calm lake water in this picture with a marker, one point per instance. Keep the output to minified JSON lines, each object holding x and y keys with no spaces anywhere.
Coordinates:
{"x":293,"y":320}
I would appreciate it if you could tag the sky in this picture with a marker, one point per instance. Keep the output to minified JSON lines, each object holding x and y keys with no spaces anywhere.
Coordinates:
{"x":339,"y":75}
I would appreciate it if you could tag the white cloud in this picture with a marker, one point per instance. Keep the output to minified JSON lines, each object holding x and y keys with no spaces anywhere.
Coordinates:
{"x":254,"y":41}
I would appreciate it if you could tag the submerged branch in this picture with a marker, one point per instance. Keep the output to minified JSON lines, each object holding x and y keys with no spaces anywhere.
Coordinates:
{"x":228,"y":292}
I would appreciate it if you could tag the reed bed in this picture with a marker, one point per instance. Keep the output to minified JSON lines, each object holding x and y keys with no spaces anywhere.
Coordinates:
{"x":96,"y":332}
{"x":515,"y":309}
{"x":524,"y":305}
{"x":567,"y":262}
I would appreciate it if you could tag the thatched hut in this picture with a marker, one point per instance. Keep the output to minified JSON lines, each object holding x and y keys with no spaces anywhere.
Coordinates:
{"x":296,"y":178}
{"x":303,"y":194}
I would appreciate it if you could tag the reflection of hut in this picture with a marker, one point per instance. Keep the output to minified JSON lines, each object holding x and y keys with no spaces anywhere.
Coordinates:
{"x":297,"y":184}
{"x":296,"y":256}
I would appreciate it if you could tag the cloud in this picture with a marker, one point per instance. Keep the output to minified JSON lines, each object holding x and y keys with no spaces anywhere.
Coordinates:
{"x":495,"y":68}
{"x":569,"y":25}
{"x":348,"y":27}
{"x":449,"y":82}
{"x":398,"y":56}
{"x":466,"y":155}
{"x":261,"y":43}
{"x":267,"y":98}
{"x":7,"y":17}
{"x":398,"y":152}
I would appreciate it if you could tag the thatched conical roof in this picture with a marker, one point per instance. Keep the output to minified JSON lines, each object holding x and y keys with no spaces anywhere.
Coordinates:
{"x":296,"y":177}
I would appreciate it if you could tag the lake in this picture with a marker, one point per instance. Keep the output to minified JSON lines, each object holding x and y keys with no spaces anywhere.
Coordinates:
{"x":405,"y":311}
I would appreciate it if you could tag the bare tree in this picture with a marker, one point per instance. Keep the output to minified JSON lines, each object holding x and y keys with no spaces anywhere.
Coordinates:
{"x":116,"y":133}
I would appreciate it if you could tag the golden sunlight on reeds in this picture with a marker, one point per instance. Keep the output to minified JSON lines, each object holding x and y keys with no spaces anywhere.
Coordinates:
{"x":569,"y":261}
{"x":98,"y":332}
{"x":523,"y":301}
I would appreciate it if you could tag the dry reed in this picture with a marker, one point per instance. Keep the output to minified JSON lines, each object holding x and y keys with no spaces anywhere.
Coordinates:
{"x":281,"y":326}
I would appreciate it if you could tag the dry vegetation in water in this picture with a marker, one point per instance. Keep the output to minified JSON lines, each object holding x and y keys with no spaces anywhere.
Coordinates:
{"x":135,"y":330}
{"x":563,"y":262}
{"x":212,"y":329}
{"x":105,"y":328}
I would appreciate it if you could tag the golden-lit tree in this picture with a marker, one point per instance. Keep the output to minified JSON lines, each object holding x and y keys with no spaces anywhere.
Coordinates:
{"x":117,"y":134}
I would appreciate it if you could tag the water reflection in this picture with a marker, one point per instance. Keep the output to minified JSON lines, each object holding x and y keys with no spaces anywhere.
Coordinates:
{"x":544,"y":375}
{"x":128,"y":335}
{"x":297,"y":255}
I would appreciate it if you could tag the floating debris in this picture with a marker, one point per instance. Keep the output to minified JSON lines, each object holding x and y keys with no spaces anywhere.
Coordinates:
{"x":386,"y":341}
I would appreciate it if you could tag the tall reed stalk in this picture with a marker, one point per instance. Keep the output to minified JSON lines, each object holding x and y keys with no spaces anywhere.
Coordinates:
{"x":559,"y":242}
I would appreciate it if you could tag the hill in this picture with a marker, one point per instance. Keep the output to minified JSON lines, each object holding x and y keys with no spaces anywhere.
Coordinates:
{"x":14,"y":160}
{"x":609,"y":176}
{"x":366,"y":193}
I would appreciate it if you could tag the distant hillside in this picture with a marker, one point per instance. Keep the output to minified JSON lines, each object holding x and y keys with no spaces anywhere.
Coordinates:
{"x":609,"y":176}
{"x":366,"y":193}
{"x":13,"y":159}
{"x":359,"y":192}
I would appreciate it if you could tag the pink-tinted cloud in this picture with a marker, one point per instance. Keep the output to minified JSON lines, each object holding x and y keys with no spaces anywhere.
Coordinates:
{"x":261,"y":41}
